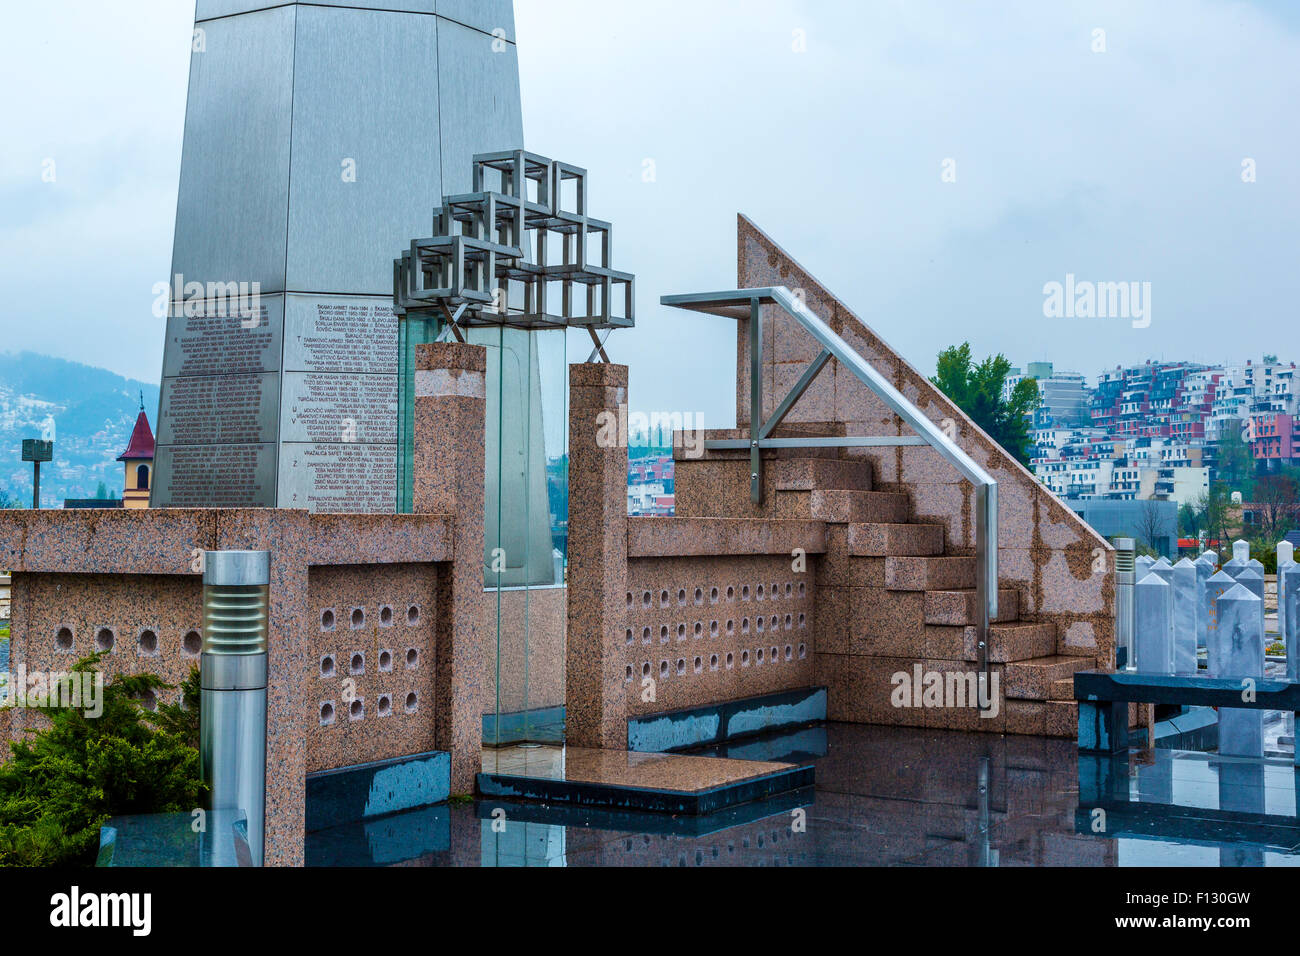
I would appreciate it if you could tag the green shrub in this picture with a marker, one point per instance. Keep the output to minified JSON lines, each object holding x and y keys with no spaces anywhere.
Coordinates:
{"x":60,"y":786}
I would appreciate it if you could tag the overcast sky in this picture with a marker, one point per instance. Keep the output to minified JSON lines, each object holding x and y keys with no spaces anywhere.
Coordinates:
{"x":826,"y":121}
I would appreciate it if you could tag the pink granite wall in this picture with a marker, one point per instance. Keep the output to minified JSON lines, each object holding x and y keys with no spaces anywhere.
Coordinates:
{"x":122,"y":573}
{"x":526,"y":654}
{"x":373,"y":647}
{"x":712,"y":629}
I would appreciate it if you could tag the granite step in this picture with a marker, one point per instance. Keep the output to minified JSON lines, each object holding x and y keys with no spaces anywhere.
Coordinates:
{"x":1033,"y":679}
{"x":814,"y":474}
{"x":1062,"y":689}
{"x":929,"y":574}
{"x":1008,"y":643}
{"x":902,"y":540}
{"x":955,"y":608}
{"x":840,"y":506}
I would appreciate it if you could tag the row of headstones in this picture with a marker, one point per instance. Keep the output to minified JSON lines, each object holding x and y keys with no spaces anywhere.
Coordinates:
{"x":1180,"y":607}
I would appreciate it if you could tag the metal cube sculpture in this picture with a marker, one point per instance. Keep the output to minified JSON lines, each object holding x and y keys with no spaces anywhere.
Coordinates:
{"x":520,"y":255}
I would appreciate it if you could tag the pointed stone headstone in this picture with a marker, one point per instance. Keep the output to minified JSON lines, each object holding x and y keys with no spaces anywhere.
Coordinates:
{"x":1163,"y":568}
{"x":1219,"y":583}
{"x":1240,"y":558}
{"x":1256,"y":565}
{"x":1211,"y":557}
{"x":1240,"y":640}
{"x":1204,"y":571}
{"x":1292,"y":609}
{"x":1253,"y":580}
{"x":1142,"y":566}
{"x":1185,"y":616}
{"x":1153,"y":631}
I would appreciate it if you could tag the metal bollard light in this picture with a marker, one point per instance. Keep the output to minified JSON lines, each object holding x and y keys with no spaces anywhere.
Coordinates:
{"x":232,"y":722}
{"x":1125,"y":578}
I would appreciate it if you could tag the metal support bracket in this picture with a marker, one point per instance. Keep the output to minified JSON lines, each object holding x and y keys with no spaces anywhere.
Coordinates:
{"x":599,"y":350}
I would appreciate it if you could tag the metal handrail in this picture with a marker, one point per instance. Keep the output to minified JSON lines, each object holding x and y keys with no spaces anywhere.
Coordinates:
{"x":747,"y":303}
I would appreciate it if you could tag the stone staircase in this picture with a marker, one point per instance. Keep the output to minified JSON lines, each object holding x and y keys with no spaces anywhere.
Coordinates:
{"x":890,"y":586}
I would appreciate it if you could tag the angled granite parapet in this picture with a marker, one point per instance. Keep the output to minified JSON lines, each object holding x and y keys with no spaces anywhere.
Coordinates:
{"x":1061,"y":568}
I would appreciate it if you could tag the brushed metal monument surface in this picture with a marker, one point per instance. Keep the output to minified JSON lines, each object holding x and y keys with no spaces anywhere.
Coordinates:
{"x":316,"y":139}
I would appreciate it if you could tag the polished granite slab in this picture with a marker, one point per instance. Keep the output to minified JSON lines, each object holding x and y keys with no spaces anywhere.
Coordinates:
{"x":629,"y":780}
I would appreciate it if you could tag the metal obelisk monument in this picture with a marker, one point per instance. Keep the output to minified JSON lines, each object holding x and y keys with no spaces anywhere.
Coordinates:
{"x":317,"y":138}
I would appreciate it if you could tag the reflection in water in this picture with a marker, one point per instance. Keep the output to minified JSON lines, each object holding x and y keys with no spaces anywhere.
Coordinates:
{"x":903,"y":796}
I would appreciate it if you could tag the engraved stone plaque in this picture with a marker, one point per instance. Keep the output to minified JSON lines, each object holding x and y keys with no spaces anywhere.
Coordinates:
{"x":339,"y":477}
{"x":339,"y":408}
{"x":225,"y":345}
{"x":219,"y":409}
{"x":215,"y":476}
{"x":340,"y":333}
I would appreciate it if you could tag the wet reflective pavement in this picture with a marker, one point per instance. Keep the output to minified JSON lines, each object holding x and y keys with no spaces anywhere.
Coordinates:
{"x":887,"y":796}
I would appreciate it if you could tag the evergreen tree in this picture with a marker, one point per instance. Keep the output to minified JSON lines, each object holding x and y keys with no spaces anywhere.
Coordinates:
{"x":977,"y":391}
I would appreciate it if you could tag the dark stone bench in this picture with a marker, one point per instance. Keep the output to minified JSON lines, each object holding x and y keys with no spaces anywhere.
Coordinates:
{"x":1104,"y":698}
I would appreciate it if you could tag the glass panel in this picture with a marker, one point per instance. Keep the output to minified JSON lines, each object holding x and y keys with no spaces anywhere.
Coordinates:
{"x":411,"y":331}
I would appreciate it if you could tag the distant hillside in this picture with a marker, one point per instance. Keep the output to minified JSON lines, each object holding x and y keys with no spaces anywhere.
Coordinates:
{"x":92,"y":411}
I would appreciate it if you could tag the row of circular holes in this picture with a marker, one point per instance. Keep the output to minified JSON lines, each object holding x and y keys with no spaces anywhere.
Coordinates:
{"x":357,"y":663}
{"x":146,"y":641}
{"x":665,"y":670}
{"x":790,"y":622}
{"x":358,"y":617}
{"x":357,"y":707}
{"x":647,"y":597}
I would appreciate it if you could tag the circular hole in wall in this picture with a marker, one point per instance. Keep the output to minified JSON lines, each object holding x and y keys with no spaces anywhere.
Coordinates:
{"x":713,"y":662}
{"x":758,"y":594}
{"x":744,"y":625}
{"x":327,"y":620}
{"x":385,"y":616}
{"x":699,"y":629}
{"x":699,"y":596}
{"x":759,"y":656}
{"x":788,"y":589}
{"x":731,"y":660}
{"x":663,"y":633}
{"x":663,"y":598}
{"x":412,"y":658}
{"x":802,"y":589}
{"x":63,"y":640}
{"x":147,"y":642}
{"x":358,"y":618}
{"x":413,"y":615}
{"x":149,"y":700}
{"x":699,"y":665}
{"x":356,"y":709}
{"x":357,"y":665}
{"x":681,"y":632}
{"x":744,"y":593}
{"x":104,"y":639}
{"x":327,"y":713}
{"x":663,"y":668}
{"x":645,"y":635}
{"x":744,"y":658}
{"x":731,"y":593}
{"x":327,"y":666}
{"x":789,"y":653}
{"x":775,"y":655}
{"x":628,"y":677}
{"x":385,"y":705}
{"x":803,"y":651}
{"x":803,"y":620}
{"x":681,"y":597}
{"x":629,"y":600}
{"x":789,"y":622}
{"x":412,"y":702}
{"x":629,"y":636}
{"x":192,"y":643}
{"x":713,"y":595}
{"x":385,"y":660}
{"x":681,"y":667}
{"x":645,"y":599}
{"x":758,"y":623}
